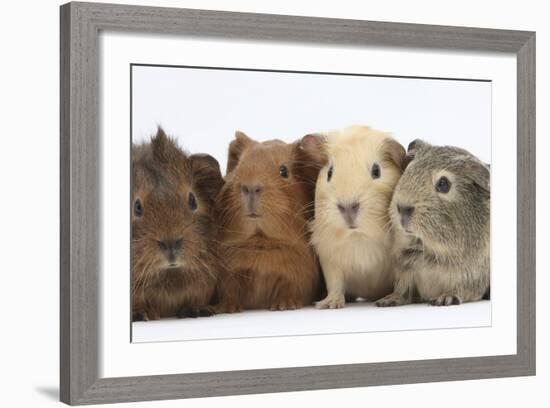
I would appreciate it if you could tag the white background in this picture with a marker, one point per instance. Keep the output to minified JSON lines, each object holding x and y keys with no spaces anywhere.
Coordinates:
{"x":30,"y":202}
{"x":202,"y":108}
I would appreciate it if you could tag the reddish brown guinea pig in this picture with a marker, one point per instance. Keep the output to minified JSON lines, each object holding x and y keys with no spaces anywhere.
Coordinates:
{"x":175,"y":252}
{"x":265,"y":206}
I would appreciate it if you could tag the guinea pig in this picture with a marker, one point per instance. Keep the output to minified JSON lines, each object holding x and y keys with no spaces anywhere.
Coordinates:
{"x":265,"y":204}
{"x":440,"y":215}
{"x":351,"y":224}
{"x":175,"y":252}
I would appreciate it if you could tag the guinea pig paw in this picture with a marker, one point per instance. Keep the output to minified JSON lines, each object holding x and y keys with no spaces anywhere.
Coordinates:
{"x":287,"y":304}
{"x":153,"y":315}
{"x":227,"y":308}
{"x":194,"y":312}
{"x":206,"y":311}
{"x":280,"y":305}
{"x":139,"y":317}
{"x":331,"y":302}
{"x":390,"y":300}
{"x":187,"y":312}
{"x":445,"y":300}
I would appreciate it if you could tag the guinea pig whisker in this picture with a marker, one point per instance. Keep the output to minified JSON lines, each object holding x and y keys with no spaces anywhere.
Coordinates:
{"x":284,"y":220}
{"x":228,"y":230}
{"x":145,"y":275}
{"x":216,"y":241}
{"x":379,"y":218}
{"x":308,"y":164}
{"x":139,"y":263}
{"x":388,"y":225}
{"x":230,"y":215}
{"x":138,"y":240}
{"x":389,"y":230}
{"x":204,"y":265}
{"x":307,"y":208}
{"x":310,"y":204}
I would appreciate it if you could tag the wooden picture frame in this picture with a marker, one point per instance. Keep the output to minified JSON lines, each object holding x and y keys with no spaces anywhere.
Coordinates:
{"x":81,"y":24}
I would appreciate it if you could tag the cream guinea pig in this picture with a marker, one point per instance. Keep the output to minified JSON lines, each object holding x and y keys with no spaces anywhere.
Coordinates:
{"x":350,"y":231}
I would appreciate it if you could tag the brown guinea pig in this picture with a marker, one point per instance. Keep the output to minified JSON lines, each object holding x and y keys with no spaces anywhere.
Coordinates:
{"x":265,"y":205}
{"x":175,"y":251}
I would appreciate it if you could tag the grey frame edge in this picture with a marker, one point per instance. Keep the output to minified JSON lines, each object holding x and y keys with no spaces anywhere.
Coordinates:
{"x":79,"y":192}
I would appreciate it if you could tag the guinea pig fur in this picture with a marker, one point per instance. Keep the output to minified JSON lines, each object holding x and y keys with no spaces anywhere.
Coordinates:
{"x":265,"y":204}
{"x":441,"y":221}
{"x":351,"y":225}
{"x":175,"y":250}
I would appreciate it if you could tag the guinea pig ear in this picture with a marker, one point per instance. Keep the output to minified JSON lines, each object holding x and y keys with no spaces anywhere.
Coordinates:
{"x":394,"y":152}
{"x":416,"y":145}
{"x":313,"y":145}
{"x":309,"y":158}
{"x":480,"y":174}
{"x":413,"y":147}
{"x":205,"y":171}
{"x":236,"y":148}
{"x":409,"y":157}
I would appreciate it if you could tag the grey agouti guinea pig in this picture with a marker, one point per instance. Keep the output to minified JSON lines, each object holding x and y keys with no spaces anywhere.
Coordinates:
{"x":175,"y":251}
{"x":440,"y":214}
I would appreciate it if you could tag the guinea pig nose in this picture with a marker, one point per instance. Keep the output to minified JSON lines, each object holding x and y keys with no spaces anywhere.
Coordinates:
{"x":349,"y":212}
{"x":170,"y":244}
{"x":405,"y":210}
{"x":255,"y":189}
{"x":251,"y":195}
{"x":349,"y":208}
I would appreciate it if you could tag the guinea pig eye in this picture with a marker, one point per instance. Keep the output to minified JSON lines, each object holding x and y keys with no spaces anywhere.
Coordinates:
{"x":443,"y":185}
{"x":283,"y":171}
{"x":375,"y":171}
{"x":329,"y":173}
{"x":192,"y":201}
{"x":138,"y":208}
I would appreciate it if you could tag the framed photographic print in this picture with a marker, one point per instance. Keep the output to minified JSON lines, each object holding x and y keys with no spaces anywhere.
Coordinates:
{"x":294,"y":199}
